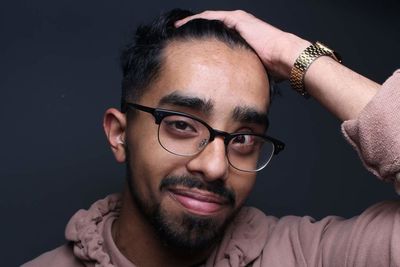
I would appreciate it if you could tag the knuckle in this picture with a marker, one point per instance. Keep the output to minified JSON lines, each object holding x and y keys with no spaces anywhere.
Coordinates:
{"x":206,"y":13}
{"x":240,"y":12}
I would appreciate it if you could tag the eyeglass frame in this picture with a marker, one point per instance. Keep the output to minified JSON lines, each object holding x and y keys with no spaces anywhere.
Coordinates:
{"x":160,"y":113}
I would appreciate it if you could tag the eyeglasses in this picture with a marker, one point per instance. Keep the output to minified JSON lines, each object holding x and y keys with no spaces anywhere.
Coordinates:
{"x":185,"y":135}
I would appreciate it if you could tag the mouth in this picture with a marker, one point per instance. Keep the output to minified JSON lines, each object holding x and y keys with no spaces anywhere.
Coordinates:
{"x":197,"y":201}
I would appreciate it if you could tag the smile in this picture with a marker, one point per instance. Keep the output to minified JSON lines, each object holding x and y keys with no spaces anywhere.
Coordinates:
{"x":198,"y":202}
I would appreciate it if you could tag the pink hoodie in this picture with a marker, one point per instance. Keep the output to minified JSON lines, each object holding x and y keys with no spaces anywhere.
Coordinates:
{"x":370,"y":239}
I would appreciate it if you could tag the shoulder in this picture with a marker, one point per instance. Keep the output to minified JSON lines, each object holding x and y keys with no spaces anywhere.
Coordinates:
{"x":60,"y":257}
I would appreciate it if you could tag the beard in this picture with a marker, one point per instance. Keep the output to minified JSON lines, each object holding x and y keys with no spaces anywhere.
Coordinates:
{"x":185,"y":231}
{"x":182,"y":231}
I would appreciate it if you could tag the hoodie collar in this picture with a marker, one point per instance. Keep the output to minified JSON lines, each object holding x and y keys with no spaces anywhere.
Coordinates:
{"x":90,"y":232}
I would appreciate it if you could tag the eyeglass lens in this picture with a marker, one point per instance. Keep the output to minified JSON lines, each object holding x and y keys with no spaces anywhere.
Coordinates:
{"x":185,"y":136}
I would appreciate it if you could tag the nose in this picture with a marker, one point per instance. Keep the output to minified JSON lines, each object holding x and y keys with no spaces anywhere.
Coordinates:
{"x":211,"y":163}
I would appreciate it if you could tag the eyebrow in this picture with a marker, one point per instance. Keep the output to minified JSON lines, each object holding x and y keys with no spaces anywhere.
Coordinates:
{"x":193,"y":102}
{"x":247,"y":114}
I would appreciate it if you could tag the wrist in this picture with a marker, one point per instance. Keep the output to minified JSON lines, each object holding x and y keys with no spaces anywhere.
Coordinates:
{"x":304,"y":61}
{"x":287,"y":50}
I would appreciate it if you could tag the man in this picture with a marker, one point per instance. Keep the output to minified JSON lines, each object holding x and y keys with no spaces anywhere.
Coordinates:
{"x":191,"y":131}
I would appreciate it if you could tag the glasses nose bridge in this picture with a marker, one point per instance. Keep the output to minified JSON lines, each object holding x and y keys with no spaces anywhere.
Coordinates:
{"x":158,"y":116}
{"x":215,"y":133}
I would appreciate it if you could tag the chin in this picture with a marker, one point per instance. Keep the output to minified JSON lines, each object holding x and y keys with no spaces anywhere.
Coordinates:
{"x":184,"y":230}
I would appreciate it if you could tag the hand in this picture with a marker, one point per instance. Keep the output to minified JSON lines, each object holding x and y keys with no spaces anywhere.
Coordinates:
{"x":339,"y":89}
{"x":277,"y":49}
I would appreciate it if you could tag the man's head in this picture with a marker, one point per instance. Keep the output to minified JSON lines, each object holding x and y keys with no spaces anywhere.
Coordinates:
{"x":141,"y":60}
{"x":208,"y":71}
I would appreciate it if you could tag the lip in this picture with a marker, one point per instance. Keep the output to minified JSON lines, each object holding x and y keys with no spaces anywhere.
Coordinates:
{"x":198,"y":201}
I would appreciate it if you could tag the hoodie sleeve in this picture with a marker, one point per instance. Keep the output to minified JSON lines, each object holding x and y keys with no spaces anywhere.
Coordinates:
{"x":375,"y":134}
{"x":373,"y":237}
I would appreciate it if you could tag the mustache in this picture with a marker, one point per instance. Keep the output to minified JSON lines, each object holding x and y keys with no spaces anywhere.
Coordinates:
{"x":217,"y":187}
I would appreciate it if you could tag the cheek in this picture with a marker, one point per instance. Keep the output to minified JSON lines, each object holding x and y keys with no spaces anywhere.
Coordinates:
{"x":149,"y":162}
{"x":242,"y":186}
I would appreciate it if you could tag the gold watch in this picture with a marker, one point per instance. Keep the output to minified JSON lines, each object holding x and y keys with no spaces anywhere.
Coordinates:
{"x":303,"y":62}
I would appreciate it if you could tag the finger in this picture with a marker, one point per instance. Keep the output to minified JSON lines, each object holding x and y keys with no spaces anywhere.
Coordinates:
{"x":203,"y":15}
{"x":210,"y":15}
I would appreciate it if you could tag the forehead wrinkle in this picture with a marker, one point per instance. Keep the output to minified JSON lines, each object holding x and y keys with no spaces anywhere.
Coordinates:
{"x":248,"y":114}
{"x":175,"y":98}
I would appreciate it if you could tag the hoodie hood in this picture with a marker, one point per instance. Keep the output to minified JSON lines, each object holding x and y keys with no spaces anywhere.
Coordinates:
{"x":90,"y":232}
{"x":86,"y":230}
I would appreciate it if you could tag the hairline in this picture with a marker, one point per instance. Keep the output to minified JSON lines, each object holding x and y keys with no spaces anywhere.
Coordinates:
{"x":188,"y":39}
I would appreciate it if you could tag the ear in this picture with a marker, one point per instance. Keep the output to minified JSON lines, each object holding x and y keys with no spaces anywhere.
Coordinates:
{"x":114,"y":124}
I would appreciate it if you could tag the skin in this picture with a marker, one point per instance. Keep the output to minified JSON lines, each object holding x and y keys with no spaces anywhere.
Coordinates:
{"x":339,"y":89}
{"x":209,"y":69}
{"x":229,"y":77}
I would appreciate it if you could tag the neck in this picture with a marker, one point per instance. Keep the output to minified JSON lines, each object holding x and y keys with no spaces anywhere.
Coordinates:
{"x":137,"y":240}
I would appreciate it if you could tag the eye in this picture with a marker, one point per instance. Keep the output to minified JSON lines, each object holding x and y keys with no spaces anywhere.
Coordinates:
{"x":180,"y":126}
{"x":244,"y":144}
{"x":244,"y":139}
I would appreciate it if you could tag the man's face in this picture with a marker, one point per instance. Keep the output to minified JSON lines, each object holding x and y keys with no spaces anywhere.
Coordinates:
{"x":190,"y":200}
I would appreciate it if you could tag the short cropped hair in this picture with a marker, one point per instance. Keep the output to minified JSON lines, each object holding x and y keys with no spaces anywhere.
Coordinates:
{"x":141,"y":59}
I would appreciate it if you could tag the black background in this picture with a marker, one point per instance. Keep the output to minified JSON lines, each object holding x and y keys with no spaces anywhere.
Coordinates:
{"x":59,"y":72}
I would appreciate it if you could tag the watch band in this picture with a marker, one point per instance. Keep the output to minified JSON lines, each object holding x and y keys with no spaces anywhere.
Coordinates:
{"x":303,"y":62}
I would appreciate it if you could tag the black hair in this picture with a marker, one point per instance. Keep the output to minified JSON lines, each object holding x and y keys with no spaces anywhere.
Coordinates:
{"x":141,"y":59}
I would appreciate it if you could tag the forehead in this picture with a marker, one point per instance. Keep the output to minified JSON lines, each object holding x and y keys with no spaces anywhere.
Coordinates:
{"x":211,"y":70}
